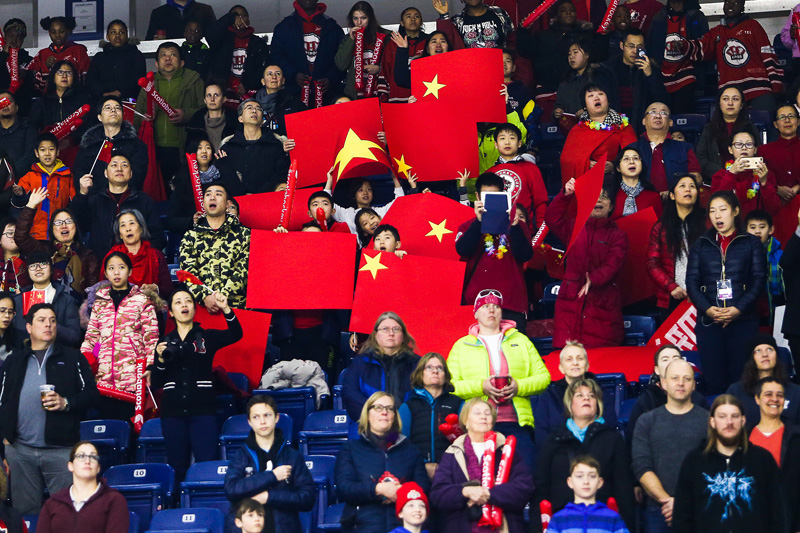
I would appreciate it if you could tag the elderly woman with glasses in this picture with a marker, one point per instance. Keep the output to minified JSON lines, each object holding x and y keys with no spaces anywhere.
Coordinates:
{"x":428,"y":405}
{"x":88,"y":504}
{"x":370,"y":469}
{"x":384,"y":363}
{"x":501,"y":365}
{"x":585,"y":433}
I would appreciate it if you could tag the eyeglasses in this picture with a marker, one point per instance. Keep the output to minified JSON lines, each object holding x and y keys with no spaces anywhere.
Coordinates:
{"x":9,"y":234}
{"x":632,"y":159}
{"x":6,"y":311}
{"x":65,"y":73}
{"x":116,"y":108}
{"x":38,"y":266}
{"x":655,"y":113}
{"x":740,"y":146}
{"x":437,"y":368}
{"x":387,"y":329}
{"x":634,"y":47}
{"x":87,"y":457}
{"x":786,"y":117}
{"x":381,"y":408}
{"x":58,"y":223}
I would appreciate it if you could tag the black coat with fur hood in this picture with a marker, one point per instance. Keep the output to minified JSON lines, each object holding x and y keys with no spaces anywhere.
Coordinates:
{"x":125,"y":142}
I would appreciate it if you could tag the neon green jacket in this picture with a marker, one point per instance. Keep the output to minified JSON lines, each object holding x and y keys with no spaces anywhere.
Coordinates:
{"x":468,"y":363}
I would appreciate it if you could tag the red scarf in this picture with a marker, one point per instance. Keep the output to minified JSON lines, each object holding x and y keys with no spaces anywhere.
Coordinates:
{"x":366,"y":90}
{"x":241,"y":39}
{"x":13,"y":69}
{"x":145,"y":264}
{"x":309,"y":27}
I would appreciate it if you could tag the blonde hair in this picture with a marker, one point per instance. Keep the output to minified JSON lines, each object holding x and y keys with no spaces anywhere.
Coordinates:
{"x":467,"y":407}
{"x":407,"y":345}
{"x":575,"y":344}
{"x":573,"y":389}
{"x":363,"y":420}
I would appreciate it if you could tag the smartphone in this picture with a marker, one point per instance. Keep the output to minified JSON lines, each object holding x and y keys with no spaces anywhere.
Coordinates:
{"x":641,"y":53}
{"x":750,"y":163}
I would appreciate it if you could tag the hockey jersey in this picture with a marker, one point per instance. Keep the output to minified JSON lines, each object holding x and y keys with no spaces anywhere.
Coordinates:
{"x":524,"y":181}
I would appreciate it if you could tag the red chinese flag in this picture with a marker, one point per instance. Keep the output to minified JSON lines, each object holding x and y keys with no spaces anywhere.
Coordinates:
{"x":104,"y":154}
{"x":263,"y":211}
{"x":453,"y":150}
{"x":633,"y":361}
{"x":466,"y":82}
{"x":407,"y":286}
{"x":301,"y":270}
{"x":677,"y":329}
{"x":359,"y":153}
{"x":245,"y":356}
{"x":31,"y":298}
{"x":187,"y":277}
{"x":316,"y":134}
{"x":587,"y":191}
{"x":638,"y":285}
{"x":439,"y":327}
{"x":428,"y":224}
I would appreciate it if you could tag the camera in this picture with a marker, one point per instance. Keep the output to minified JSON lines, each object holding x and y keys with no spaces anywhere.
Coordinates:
{"x":172,"y":349}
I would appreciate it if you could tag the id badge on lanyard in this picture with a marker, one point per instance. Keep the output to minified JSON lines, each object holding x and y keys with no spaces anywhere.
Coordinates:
{"x":724,"y":289}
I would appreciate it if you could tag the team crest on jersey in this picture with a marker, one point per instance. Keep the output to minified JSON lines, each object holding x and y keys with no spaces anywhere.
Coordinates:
{"x":513,"y":182}
{"x":311,"y":43}
{"x":673,"y":51}
{"x":735,"y":53}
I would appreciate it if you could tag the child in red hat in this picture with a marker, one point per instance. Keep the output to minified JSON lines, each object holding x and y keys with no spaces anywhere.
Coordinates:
{"x":412,"y":508}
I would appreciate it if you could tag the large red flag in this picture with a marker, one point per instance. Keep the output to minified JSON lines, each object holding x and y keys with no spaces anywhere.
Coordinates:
{"x":638,"y":284}
{"x":439,"y":327}
{"x":466,"y":82}
{"x":316,"y":134}
{"x":633,"y":361}
{"x":407,"y":286}
{"x":359,"y":153}
{"x":677,"y":329}
{"x":263,"y":210}
{"x":301,"y":270}
{"x":451,"y":150}
{"x":587,"y":191}
{"x":428,"y":223}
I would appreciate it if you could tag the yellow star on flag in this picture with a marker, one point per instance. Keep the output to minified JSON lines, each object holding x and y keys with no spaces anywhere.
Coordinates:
{"x":438,"y":230}
{"x":433,"y":87}
{"x":354,"y":147}
{"x":402,"y":167}
{"x":373,"y":265}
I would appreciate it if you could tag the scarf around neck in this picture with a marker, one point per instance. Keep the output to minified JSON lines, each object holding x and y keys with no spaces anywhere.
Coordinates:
{"x":630,"y":200}
{"x":612,"y":118}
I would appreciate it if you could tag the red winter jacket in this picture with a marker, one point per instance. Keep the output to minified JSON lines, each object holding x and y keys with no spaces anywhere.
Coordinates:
{"x":643,"y":201}
{"x":105,"y":512}
{"x":661,"y":265}
{"x":524,"y":182}
{"x":767,"y":197}
{"x":599,"y":251}
{"x":397,"y":94}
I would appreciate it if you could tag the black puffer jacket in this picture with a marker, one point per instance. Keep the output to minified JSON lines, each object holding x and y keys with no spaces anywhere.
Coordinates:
{"x":259,"y":165}
{"x":50,"y":109}
{"x":745,"y":265}
{"x":790,"y":263}
{"x":125,"y":142}
{"x":116,"y":69}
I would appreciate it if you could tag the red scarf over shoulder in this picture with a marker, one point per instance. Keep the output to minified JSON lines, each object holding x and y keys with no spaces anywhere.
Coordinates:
{"x":145,"y":264}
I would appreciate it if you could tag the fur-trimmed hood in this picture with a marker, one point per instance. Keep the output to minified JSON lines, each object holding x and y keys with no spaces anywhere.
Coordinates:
{"x":95,"y":135}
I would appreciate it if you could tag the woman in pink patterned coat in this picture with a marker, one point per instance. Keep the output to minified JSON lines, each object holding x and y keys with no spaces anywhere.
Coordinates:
{"x":123,"y":327}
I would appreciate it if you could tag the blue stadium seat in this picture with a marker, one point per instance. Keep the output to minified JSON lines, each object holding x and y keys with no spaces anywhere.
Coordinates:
{"x":331,"y":519}
{"x":110,"y":437}
{"x":762,"y":120}
{"x":544,"y":345}
{"x":30,"y":521}
{"x":705,"y":105}
{"x":133,"y":522}
{"x":324,"y":432}
{"x":550,"y":146}
{"x":194,"y":520}
{"x":548,"y":301}
{"x":338,"y":403}
{"x":297,"y":403}
{"x":145,"y":486}
{"x":691,"y":125}
{"x":150,"y":447}
{"x":205,"y":486}
{"x":345,"y":352}
{"x":240,"y":380}
{"x":626,"y":407}
{"x":173,"y":271}
{"x":613,"y":386}
{"x":638,"y":330}
{"x":236,"y":428}
{"x":321,"y":468}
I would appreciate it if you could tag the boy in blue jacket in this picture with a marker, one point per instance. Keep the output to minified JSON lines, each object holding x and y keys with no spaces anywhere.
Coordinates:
{"x":586,"y":515}
{"x":411,"y":508}
{"x":759,"y":223}
{"x":269,"y":471}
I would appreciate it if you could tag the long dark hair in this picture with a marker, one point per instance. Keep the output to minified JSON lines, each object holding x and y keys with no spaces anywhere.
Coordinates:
{"x":673,"y":227}
{"x":51,"y":78}
{"x":750,"y":375}
{"x":718,"y":126}
{"x":77,"y":238}
{"x":730,"y":198}
{"x":363,"y":238}
{"x":431,"y":36}
{"x":371,"y":32}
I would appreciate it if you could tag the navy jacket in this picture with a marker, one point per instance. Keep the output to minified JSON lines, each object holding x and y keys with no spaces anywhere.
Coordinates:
{"x":676,"y":156}
{"x":360,"y":465}
{"x":422,"y":415}
{"x":289,"y":52}
{"x":745,"y":265}
{"x":368,"y":374}
{"x":286,"y":498}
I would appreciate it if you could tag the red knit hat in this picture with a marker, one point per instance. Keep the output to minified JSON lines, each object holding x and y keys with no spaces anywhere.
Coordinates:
{"x":410,"y":491}
{"x":487,"y":296}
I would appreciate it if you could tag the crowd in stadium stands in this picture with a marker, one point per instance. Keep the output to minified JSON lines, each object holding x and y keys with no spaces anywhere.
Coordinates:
{"x":698,"y":124}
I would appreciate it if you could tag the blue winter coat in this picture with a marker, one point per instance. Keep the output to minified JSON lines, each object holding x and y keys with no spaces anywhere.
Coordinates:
{"x":296,"y":495}
{"x":367,"y":375}
{"x":360,"y":465}
{"x":676,"y":156}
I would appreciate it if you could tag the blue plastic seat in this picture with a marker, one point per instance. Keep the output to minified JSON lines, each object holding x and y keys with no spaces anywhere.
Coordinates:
{"x":324,"y":432}
{"x":110,"y":437}
{"x":205,"y":486}
{"x":173,"y":271}
{"x":548,"y":301}
{"x":321,"y":468}
{"x":145,"y":486}
{"x":691,"y":125}
{"x":236,"y":428}
{"x":297,"y":403}
{"x":133,"y":522}
{"x":150,"y":447}
{"x":30,"y":521}
{"x":762,"y":120}
{"x":194,"y":520}
{"x":338,"y":403}
{"x":626,"y":407}
{"x":613,"y":386}
{"x":240,"y":380}
{"x":638,"y":330}
{"x":331,"y":519}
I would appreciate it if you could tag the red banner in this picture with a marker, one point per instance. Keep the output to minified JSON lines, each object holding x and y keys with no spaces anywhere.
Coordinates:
{"x":678,"y":328}
{"x":148,"y":84}
{"x":138,"y":404}
{"x":288,"y":195}
{"x":13,"y":69}
{"x":197,"y":188}
{"x":69,"y":124}
{"x":264,"y":210}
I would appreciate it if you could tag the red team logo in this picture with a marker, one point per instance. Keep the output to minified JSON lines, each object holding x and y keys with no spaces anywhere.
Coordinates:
{"x":735,"y":53}
{"x":311,"y":42}
{"x":674,"y":48}
{"x":513,"y":182}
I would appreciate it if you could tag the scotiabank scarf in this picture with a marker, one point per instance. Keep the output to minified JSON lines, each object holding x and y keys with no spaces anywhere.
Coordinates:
{"x":366,"y":89}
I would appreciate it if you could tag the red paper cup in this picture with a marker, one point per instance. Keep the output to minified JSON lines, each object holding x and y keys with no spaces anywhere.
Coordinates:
{"x":500,"y":382}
